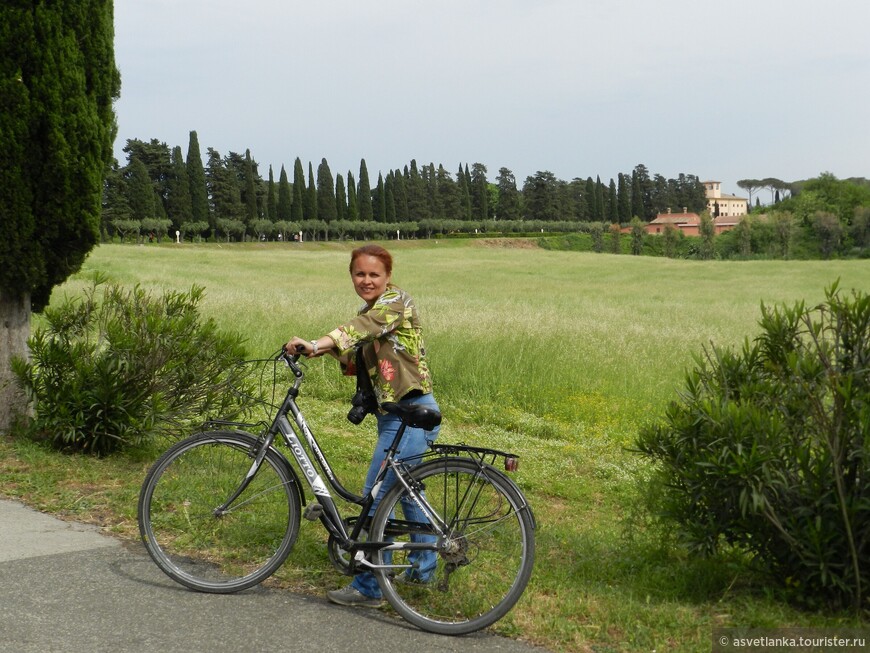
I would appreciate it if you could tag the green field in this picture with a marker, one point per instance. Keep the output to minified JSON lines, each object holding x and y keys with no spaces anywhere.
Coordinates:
{"x":557,"y":356}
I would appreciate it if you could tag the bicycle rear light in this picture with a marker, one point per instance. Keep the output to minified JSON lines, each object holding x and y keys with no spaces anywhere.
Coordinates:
{"x":511,"y":463}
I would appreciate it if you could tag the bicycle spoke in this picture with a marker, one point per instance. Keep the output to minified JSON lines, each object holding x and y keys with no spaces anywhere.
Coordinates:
{"x":485,"y":558}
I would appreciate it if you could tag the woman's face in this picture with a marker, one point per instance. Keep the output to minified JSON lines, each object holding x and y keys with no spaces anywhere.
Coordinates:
{"x":369,"y":277}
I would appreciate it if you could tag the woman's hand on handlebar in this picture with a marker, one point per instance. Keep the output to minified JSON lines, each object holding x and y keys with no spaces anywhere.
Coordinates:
{"x":303,"y":347}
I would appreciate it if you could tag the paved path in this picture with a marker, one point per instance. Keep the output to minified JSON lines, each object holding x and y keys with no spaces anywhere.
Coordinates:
{"x":64,"y":587}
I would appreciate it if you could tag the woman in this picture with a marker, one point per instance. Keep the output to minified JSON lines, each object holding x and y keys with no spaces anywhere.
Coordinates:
{"x":388,"y":330}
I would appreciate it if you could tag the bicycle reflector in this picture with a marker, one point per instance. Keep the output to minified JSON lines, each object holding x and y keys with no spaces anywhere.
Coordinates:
{"x":511,"y":463}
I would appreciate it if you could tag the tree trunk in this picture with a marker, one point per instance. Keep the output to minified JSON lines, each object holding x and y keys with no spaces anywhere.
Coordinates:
{"x":14,"y":331}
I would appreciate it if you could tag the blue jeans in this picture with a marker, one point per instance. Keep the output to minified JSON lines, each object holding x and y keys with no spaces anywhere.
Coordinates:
{"x":414,"y":442}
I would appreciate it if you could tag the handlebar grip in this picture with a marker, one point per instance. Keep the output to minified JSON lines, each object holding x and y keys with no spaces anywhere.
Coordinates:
{"x":291,"y":359}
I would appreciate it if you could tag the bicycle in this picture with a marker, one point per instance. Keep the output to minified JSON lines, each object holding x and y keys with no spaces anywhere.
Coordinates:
{"x":220,"y":511}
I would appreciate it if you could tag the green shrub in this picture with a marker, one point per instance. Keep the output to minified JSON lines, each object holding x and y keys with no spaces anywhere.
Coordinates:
{"x":768,"y":449}
{"x":112,"y":371}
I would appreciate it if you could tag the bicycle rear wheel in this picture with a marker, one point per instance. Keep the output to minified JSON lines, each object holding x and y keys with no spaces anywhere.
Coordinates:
{"x":218,"y":553}
{"x":483,"y":565}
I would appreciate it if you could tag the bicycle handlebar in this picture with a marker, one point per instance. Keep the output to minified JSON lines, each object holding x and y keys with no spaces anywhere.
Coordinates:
{"x":292,"y":360}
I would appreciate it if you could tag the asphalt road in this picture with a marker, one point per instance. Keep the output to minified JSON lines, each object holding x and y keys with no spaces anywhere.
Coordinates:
{"x":65,"y":587}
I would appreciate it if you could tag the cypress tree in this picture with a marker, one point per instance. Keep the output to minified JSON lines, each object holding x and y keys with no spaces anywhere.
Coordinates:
{"x":272,"y":197}
{"x":58,"y":80}
{"x":284,"y":205}
{"x":140,"y":192}
{"x":340,"y":198}
{"x":418,"y":206}
{"x":600,"y":200}
{"x":448,"y":195}
{"x":400,"y":196}
{"x":178,"y":202}
{"x":115,"y":203}
{"x":311,"y":195}
{"x":592,"y":201}
{"x":612,"y":206}
{"x":431,"y":186}
{"x":250,"y":191}
{"x":464,"y":194}
{"x":389,"y":199}
{"x":364,"y":193}
{"x":326,"y":209}
{"x":637,"y":208}
{"x":380,"y":201}
{"x":623,"y":199}
{"x":196,"y":182}
{"x":479,"y":193}
{"x":298,"y":206}
{"x":352,"y":204}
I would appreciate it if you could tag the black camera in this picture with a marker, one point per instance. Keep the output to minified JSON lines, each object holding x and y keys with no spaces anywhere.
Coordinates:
{"x":362,"y":403}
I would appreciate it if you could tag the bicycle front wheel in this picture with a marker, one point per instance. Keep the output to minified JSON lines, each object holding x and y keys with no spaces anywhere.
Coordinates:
{"x":207,"y":551}
{"x":479,"y":570}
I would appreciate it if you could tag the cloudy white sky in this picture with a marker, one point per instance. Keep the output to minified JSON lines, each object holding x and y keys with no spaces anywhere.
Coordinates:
{"x":723,"y":90}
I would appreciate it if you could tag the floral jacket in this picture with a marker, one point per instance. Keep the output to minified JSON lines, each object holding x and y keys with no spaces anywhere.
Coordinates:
{"x":392,"y":341}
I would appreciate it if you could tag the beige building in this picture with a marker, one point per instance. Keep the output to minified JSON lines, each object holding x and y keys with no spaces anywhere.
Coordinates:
{"x":724,"y":205}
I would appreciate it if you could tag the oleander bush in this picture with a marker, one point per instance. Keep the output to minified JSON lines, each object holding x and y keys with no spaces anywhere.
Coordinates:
{"x":117,"y":366}
{"x":768,"y":449}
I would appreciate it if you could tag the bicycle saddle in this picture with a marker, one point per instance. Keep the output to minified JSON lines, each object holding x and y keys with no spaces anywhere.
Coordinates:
{"x":416,"y":416}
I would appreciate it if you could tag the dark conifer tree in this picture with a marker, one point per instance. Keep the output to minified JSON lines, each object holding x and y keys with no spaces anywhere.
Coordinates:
{"x":352,"y":203}
{"x":612,"y":203}
{"x":389,"y":199}
{"x":298,"y":205}
{"x":508,"y":196}
{"x":58,"y":81}
{"x":464,"y":193}
{"x":592,"y":201}
{"x":601,"y":200}
{"x":340,"y":198}
{"x":479,"y":192}
{"x":432,"y":200}
{"x":577,"y":192}
{"x":326,"y":209}
{"x":418,"y":204}
{"x":400,"y":196}
{"x":379,"y":201}
{"x":272,"y":197}
{"x":178,"y":202}
{"x":311,"y":195}
{"x":364,"y":193}
{"x":448,"y":195}
{"x":116,"y":206}
{"x":284,"y":206}
{"x":637,"y":208}
{"x":140,"y":191}
{"x":623,"y":198}
{"x":199,"y":211}
{"x":249,"y":191}
{"x":223,"y":185}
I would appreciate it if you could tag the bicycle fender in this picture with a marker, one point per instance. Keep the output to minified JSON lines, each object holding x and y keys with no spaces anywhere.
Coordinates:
{"x":517,"y":489}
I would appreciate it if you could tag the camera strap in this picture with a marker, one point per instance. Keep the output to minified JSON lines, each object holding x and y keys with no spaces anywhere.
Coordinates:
{"x":363,"y":380}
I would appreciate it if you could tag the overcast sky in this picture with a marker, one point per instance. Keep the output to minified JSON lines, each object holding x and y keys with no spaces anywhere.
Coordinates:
{"x":724,"y":90}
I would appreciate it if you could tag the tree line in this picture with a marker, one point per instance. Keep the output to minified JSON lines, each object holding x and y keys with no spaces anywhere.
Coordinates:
{"x":160,"y":191}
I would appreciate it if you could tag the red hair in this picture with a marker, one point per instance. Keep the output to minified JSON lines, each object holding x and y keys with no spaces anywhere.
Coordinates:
{"x":377,"y":251}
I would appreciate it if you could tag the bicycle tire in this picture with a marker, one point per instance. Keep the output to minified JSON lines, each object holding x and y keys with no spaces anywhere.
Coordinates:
{"x":227,"y":553}
{"x":484,"y":564}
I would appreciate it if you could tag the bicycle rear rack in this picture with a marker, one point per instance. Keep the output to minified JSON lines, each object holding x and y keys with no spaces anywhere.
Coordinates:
{"x":482,"y":454}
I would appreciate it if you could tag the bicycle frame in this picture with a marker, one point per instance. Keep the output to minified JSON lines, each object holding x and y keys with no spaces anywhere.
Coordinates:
{"x":292,"y":434}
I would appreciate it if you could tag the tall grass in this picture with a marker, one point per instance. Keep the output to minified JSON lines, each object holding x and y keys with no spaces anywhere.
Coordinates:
{"x":557,"y":356}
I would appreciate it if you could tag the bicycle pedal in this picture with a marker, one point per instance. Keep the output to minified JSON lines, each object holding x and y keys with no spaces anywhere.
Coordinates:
{"x":313,"y":511}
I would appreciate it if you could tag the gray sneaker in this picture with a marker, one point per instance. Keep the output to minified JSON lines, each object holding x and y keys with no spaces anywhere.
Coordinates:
{"x":352,"y":597}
